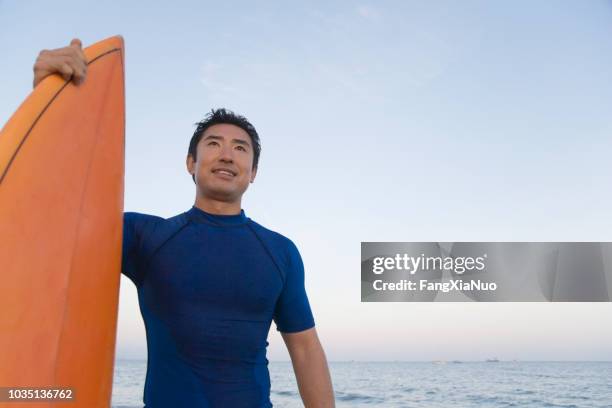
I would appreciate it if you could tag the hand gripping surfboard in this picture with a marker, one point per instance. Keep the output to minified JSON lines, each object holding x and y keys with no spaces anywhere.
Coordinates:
{"x":61,"y":206}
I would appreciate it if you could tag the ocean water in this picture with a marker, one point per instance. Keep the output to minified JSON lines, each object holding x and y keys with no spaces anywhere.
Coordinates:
{"x":420,"y":384}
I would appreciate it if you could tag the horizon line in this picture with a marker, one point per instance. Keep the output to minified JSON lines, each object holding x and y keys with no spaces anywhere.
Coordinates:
{"x":425,"y":361}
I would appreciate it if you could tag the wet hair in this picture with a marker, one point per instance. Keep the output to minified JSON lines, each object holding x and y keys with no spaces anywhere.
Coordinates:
{"x":224,"y":116}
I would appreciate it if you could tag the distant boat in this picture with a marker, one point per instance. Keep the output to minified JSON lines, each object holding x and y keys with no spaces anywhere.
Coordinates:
{"x":439,"y":362}
{"x":456,"y":362}
{"x":492,"y":360}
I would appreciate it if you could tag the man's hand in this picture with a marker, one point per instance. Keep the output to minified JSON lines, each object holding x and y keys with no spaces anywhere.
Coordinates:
{"x":69,"y":62}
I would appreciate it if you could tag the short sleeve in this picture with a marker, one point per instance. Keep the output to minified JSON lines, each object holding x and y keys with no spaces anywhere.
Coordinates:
{"x":133,"y":226}
{"x":292,"y":312}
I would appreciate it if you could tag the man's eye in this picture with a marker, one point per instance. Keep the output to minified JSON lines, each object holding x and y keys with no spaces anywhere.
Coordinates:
{"x":210,"y":143}
{"x":242,"y":147}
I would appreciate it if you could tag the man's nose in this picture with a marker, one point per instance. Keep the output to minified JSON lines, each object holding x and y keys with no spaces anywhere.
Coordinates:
{"x":226,"y":154}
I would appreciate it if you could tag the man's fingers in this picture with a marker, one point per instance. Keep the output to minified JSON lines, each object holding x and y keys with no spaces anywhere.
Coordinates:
{"x":79,"y":76}
{"x":78,"y":71}
{"x":78,"y":46}
{"x":76,"y":43}
{"x":73,"y":58}
{"x":76,"y":55}
{"x":72,"y":53}
{"x":66,"y":70}
{"x":83,"y":57}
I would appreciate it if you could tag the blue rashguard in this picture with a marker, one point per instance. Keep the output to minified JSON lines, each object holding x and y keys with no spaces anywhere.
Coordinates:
{"x":208,"y":288}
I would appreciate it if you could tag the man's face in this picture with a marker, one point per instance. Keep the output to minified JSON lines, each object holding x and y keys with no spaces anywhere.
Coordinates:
{"x":224,"y":165}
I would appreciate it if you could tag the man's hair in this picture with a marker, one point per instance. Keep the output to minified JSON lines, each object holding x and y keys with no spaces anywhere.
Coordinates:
{"x":225,"y":116}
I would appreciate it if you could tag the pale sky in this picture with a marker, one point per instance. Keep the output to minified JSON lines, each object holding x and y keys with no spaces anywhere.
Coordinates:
{"x":380,"y":121}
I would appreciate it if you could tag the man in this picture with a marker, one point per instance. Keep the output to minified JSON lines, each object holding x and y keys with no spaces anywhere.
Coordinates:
{"x":210,"y":281}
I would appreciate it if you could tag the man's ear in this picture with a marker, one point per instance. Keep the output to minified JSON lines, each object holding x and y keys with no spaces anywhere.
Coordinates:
{"x":190,"y":164}
{"x":253,"y":174}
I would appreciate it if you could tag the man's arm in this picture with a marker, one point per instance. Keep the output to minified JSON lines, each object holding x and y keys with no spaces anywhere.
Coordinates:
{"x":310,"y":366}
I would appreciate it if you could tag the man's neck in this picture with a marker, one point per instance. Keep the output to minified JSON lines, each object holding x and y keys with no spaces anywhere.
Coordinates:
{"x":218,"y":207}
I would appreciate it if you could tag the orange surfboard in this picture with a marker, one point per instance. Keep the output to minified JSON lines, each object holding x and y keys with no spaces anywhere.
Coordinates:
{"x":61,"y":206}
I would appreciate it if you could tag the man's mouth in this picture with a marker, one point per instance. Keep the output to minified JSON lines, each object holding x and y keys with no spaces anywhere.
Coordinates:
{"x":224,"y":172}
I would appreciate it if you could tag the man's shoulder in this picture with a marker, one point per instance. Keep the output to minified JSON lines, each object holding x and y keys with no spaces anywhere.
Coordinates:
{"x":140,"y":219}
{"x":151,"y":231}
{"x":274,"y":238}
{"x":144,"y":224}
